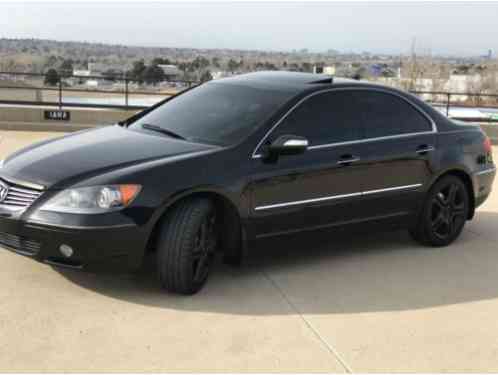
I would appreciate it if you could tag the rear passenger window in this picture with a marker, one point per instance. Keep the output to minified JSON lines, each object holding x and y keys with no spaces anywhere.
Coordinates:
{"x":386,"y":114}
{"x":329,"y":117}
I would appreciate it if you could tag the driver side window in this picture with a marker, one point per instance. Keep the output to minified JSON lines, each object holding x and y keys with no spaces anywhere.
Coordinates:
{"x":329,"y":117}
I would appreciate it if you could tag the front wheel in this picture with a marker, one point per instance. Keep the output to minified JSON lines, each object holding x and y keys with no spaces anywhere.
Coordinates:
{"x":187,"y":245}
{"x":444,"y":213}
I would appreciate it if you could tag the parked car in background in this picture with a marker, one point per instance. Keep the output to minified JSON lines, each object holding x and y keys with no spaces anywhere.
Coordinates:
{"x":233,"y":161}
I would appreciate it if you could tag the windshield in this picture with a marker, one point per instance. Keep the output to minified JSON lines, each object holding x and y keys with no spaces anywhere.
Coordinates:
{"x":216,"y":113}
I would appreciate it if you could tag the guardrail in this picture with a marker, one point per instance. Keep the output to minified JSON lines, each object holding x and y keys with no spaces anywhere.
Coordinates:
{"x":75,"y":84}
{"x":476,"y":99}
{"x":125,"y":96}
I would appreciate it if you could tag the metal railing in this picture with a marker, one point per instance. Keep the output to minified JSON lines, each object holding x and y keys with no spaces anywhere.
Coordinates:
{"x":473,"y":100}
{"x":125,"y":96}
{"x":74,"y":84}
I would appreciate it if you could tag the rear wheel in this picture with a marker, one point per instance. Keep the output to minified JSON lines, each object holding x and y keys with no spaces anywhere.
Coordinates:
{"x":186,"y":247}
{"x":444,"y":213}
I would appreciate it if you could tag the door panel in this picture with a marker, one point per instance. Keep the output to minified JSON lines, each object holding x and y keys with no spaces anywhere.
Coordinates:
{"x":384,"y":130}
{"x":306,"y":191}
{"x":396,"y":174}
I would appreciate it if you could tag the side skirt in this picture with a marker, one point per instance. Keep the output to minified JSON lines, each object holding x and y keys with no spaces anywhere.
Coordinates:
{"x":395,"y":217}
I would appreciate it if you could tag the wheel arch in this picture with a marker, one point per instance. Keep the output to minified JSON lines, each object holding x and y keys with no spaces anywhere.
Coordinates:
{"x":465,"y":176}
{"x":234,"y":233}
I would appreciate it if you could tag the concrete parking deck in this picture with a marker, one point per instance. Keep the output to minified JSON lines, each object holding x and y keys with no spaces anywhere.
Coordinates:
{"x":377,"y":302}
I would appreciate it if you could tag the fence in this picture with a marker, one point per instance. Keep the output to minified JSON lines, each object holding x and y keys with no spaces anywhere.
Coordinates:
{"x":126,"y":93}
{"x":467,"y":100}
{"x":119,"y":92}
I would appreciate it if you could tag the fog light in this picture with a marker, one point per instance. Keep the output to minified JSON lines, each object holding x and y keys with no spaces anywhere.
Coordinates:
{"x":66,"y":250}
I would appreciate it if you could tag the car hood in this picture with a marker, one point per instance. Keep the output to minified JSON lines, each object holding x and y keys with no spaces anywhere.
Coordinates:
{"x":90,"y":153}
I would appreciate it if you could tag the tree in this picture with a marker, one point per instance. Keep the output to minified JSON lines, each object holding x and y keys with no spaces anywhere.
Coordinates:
{"x":215,"y":61}
{"x":51,"y":61}
{"x":306,"y":67}
{"x":232,"y":65}
{"x":111,"y":74}
{"x":269,"y":66}
{"x":153,"y":74}
{"x":8,"y":65}
{"x":51,"y":77}
{"x":66,"y":68}
{"x":294,"y":67}
{"x":160,"y":61}
{"x":360,"y":73}
{"x":481,"y":84}
{"x":206,"y":76}
{"x":137,"y":72}
{"x":182,"y":66}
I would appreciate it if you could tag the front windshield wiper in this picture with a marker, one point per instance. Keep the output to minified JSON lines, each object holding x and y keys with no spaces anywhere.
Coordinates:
{"x":163,"y":131}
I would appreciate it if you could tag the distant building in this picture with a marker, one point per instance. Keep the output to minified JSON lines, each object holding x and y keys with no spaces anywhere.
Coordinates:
{"x":96,"y":69}
{"x":92,"y":83}
{"x":78,"y":81}
{"x":382,"y":70}
{"x":376,"y":70}
{"x":83,"y":73}
{"x":220,"y":74}
{"x":171,"y":71}
{"x":330,"y":70}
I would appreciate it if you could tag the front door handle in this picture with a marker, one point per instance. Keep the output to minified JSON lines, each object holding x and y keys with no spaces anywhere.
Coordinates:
{"x":424,"y":149}
{"x":348,"y":159}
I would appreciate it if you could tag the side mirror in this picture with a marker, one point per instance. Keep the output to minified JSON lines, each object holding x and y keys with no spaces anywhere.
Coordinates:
{"x":288,"y":145}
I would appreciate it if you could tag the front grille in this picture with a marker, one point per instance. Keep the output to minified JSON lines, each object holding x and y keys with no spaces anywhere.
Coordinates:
{"x":21,"y":244}
{"x":19,"y":196}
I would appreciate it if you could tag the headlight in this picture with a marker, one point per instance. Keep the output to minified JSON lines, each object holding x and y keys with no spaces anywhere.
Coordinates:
{"x":92,"y":200}
{"x":1,"y":164}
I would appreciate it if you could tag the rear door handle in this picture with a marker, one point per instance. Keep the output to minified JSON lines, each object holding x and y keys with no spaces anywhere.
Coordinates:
{"x":348,"y":159}
{"x":424,"y":149}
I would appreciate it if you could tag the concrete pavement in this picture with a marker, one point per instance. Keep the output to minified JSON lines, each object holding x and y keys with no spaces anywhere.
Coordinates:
{"x":375,"y":302}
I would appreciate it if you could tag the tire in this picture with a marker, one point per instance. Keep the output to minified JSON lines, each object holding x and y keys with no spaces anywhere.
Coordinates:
{"x":443,"y":214}
{"x":186,"y":246}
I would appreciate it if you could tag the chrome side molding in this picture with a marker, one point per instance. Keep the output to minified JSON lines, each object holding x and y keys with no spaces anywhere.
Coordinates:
{"x":340,"y":196}
{"x":425,"y":150}
{"x":486,"y":171}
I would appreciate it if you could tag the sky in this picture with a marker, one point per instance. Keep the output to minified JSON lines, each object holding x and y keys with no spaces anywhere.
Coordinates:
{"x":444,"y":28}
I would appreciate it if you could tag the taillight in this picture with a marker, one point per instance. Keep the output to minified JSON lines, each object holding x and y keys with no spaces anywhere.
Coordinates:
{"x":487,"y":145}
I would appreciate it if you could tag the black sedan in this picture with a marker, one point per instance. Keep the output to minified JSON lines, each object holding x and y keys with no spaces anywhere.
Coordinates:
{"x":230,"y":162}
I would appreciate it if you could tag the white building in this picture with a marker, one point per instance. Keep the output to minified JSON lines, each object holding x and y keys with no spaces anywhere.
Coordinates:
{"x":171,"y":71}
{"x":83,"y":73}
{"x":220,"y":74}
{"x":330,"y":70}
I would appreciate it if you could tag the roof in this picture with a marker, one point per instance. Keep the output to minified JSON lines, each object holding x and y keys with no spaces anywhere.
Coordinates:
{"x":284,"y":81}
{"x":170,"y":69}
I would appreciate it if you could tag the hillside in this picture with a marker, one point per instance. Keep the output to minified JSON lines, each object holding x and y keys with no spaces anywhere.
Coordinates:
{"x":37,"y":54}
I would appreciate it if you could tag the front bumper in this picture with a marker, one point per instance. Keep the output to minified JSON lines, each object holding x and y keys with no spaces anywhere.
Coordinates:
{"x":95,"y":248}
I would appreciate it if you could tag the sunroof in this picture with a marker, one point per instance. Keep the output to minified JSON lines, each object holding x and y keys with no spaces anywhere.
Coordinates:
{"x":324,"y":81}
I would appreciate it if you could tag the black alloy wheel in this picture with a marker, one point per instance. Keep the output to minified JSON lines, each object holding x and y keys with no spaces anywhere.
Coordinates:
{"x":444,"y":213}
{"x":187,"y":245}
{"x":204,"y":248}
{"x":448,"y":210}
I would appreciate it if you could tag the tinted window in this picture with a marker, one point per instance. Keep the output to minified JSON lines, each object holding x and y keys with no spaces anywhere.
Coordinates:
{"x":387,"y":114}
{"x":329,"y":117}
{"x":215,"y":112}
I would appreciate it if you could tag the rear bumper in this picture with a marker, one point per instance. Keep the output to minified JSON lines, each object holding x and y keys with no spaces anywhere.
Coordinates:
{"x":103,"y":248}
{"x":483,"y":183}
